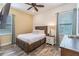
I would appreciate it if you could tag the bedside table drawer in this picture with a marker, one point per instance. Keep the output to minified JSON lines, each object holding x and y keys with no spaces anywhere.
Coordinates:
{"x":50,"y":40}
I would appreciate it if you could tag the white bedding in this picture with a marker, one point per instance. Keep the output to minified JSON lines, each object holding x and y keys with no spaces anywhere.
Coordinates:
{"x":31,"y":37}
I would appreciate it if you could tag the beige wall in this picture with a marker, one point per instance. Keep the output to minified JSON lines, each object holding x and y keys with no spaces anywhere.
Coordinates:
{"x":23,"y":24}
{"x":5,"y":39}
{"x":23,"y":21}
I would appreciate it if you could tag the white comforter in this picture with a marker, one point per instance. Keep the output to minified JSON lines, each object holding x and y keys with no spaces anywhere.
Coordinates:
{"x":31,"y":37}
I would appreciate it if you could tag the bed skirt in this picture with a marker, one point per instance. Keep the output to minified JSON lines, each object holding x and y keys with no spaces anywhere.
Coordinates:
{"x":29,"y":47}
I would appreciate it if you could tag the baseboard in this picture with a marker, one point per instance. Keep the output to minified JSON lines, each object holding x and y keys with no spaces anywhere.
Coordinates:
{"x":6,"y":44}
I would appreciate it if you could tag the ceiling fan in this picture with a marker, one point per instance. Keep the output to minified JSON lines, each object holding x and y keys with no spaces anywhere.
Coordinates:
{"x":34,"y":5}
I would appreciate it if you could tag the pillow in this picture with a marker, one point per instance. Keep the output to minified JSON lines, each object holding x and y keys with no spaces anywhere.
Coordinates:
{"x":35,"y":31}
{"x":39,"y":31}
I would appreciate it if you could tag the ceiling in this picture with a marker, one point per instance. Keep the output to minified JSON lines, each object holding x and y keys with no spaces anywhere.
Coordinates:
{"x":24,"y":7}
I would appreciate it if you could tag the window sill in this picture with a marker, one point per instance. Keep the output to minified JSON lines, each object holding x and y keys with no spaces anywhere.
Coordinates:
{"x":5,"y":34}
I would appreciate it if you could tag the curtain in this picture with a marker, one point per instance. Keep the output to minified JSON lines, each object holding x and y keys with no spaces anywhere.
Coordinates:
{"x":13,"y":30}
{"x":78,"y":21}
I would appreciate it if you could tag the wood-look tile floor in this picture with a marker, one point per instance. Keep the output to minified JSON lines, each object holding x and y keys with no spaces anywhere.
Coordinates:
{"x":43,"y":50}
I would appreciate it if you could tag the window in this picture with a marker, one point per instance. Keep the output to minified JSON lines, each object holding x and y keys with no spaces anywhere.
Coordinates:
{"x":65,"y":22}
{"x":8,"y":27}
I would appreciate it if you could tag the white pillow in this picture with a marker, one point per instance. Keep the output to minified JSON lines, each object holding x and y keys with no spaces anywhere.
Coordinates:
{"x":35,"y":31}
{"x":39,"y":31}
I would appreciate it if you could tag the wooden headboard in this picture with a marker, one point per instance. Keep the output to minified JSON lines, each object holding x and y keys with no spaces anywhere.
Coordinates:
{"x":42,"y":28}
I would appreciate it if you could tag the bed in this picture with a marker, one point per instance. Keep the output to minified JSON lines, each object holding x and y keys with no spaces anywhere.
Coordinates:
{"x":29,"y":42}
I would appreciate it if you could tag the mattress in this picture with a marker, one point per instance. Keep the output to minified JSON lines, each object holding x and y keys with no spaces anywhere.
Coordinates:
{"x":31,"y":37}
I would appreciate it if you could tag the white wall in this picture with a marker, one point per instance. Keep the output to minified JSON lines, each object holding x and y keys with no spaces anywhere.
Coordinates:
{"x":49,"y":17}
{"x":44,"y":18}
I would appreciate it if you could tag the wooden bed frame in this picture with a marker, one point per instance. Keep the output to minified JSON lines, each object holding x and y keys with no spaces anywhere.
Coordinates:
{"x":30,"y":47}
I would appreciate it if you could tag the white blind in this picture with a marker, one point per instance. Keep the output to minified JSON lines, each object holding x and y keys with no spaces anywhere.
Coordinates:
{"x":65,"y":22}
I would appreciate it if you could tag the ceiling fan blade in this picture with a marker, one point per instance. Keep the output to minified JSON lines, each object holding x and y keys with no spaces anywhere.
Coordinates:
{"x":35,"y":8}
{"x":28,"y":3}
{"x":29,"y":8}
{"x":40,"y":5}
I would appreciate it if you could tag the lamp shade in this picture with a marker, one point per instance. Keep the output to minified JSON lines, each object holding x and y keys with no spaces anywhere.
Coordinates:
{"x":51,"y":29}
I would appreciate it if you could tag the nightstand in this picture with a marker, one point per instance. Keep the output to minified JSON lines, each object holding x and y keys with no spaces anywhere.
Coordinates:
{"x":50,"y":39}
